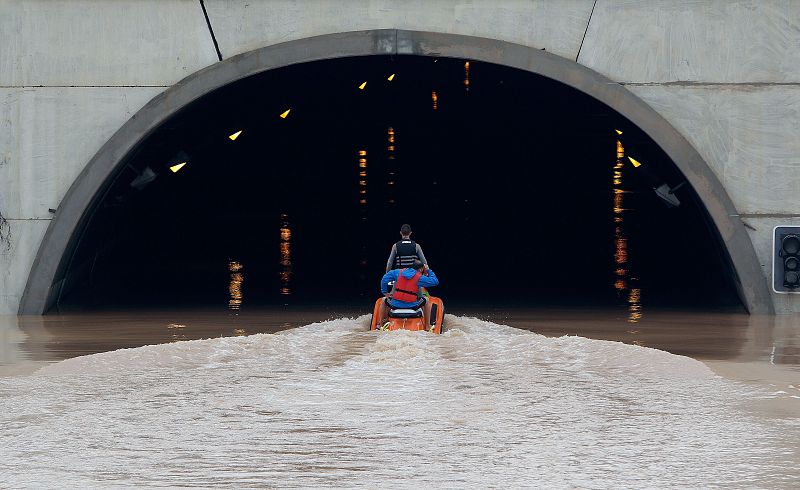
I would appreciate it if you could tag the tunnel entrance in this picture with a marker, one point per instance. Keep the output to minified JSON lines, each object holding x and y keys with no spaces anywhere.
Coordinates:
{"x":289,"y":187}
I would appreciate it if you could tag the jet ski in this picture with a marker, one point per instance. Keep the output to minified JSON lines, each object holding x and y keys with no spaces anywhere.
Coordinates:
{"x":414,"y":319}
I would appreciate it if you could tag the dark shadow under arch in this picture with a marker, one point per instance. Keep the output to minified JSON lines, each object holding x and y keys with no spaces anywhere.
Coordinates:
{"x":48,"y":270}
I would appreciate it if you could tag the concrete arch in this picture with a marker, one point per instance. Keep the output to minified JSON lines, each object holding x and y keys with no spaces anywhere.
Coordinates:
{"x":52,"y":260}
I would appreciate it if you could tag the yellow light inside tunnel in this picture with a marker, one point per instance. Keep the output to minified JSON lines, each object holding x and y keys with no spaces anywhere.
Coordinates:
{"x":391,"y":77}
{"x":635,"y":162}
{"x":284,"y":114}
{"x":361,"y":87}
{"x":235,"y":135}
{"x":177,"y":167}
{"x":618,"y":131}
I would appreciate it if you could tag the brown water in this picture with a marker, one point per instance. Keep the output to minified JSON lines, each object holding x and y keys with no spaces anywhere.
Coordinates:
{"x":551,"y":403}
{"x":709,"y":337}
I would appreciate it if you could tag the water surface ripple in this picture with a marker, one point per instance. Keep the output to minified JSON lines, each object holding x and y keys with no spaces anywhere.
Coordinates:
{"x":330,"y":404}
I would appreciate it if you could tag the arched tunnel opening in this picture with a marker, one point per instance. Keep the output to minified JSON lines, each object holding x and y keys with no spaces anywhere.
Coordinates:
{"x":289,"y":188}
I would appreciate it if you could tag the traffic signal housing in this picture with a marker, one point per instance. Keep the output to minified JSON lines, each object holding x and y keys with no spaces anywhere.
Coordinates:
{"x":786,"y":259}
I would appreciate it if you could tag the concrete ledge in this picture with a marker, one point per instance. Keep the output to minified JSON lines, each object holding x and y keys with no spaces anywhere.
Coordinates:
{"x":61,"y":237}
{"x":246,"y":25}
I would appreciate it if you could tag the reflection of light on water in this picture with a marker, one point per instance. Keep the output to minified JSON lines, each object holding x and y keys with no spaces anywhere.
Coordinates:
{"x":286,"y":256}
{"x":435,"y":100}
{"x":634,"y":305}
{"x":362,"y":191}
{"x":621,"y":258}
{"x":239,"y":332}
{"x":466,"y":76}
{"x":390,"y":147}
{"x":362,"y":182}
{"x":177,"y":334}
{"x":235,"y":285}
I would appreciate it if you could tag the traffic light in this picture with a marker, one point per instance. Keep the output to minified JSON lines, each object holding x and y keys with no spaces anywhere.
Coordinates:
{"x":786,"y":259}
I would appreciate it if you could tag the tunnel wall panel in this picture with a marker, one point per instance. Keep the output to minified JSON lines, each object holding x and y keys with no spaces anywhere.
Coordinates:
{"x":16,"y":259}
{"x":49,"y":133}
{"x":244,"y":25}
{"x":746,"y":133}
{"x":694,"y":41}
{"x":90,"y":42}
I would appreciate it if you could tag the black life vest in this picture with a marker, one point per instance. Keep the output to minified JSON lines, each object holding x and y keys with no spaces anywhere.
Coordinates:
{"x":406,"y":253}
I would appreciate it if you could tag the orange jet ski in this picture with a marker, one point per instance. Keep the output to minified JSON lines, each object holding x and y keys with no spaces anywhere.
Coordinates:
{"x":414,"y":319}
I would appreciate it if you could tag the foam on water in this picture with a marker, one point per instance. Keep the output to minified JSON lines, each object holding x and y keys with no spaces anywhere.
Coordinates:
{"x":333,"y":404}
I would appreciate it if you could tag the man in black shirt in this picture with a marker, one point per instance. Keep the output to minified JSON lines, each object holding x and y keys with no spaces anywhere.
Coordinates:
{"x":405,"y":252}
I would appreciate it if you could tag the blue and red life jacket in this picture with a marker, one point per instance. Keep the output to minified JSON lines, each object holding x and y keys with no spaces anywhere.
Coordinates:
{"x":406,"y":289}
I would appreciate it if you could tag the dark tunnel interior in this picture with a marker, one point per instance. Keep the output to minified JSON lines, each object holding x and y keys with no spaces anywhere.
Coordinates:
{"x":518,"y":188}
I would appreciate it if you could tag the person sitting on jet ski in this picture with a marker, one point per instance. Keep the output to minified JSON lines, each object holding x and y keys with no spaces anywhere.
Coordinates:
{"x":405,"y":252}
{"x":407,"y":289}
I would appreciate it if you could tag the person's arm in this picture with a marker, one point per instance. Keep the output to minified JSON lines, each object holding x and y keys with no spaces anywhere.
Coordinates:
{"x":387,"y":278}
{"x":421,"y":255}
{"x":429,"y":280}
{"x":392,"y":255}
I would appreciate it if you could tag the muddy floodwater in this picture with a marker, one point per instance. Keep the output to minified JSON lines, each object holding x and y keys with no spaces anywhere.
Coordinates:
{"x":519,"y":398}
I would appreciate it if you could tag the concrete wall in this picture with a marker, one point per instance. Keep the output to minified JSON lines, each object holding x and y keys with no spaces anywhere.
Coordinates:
{"x":725,"y":73}
{"x":71,"y":73}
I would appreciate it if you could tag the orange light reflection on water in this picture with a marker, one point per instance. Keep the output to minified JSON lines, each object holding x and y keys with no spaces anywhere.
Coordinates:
{"x":362,"y":183}
{"x":235,"y":285}
{"x":390,"y":149}
{"x":285,"y":248}
{"x":622,"y":282}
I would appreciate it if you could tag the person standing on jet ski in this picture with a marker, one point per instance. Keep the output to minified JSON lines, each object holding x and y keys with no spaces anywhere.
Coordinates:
{"x":405,"y":252}
{"x":407,"y":289}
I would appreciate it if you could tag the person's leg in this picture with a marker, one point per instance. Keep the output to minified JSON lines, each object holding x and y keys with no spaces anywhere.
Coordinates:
{"x":383,"y":314}
{"x":427,"y":312}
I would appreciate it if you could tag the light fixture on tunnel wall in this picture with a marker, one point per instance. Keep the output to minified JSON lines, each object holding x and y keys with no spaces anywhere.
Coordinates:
{"x":362,"y":86}
{"x":177,"y":167}
{"x":667,"y":194}
{"x":391,"y":77}
{"x":235,"y":135}
{"x":178,"y":161}
{"x":285,"y":113}
{"x":786,"y":259}
{"x":661,"y":188}
{"x":143,"y":179}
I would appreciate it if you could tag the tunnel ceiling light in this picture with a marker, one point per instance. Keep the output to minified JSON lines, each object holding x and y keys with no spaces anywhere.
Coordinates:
{"x":177,"y":167}
{"x":636,"y":163}
{"x":361,"y":87}
{"x":178,"y":161}
{"x":285,"y":113}
{"x":235,"y":135}
{"x":618,"y":131}
{"x":391,"y":77}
